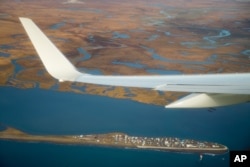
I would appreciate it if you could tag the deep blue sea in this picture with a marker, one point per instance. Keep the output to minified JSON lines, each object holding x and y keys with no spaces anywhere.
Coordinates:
{"x":46,"y":112}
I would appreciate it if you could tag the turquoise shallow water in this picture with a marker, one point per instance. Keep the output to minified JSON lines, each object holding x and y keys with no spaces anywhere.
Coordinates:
{"x":50,"y":112}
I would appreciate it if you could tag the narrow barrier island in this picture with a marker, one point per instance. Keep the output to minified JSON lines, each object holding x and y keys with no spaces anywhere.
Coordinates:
{"x":121,"y":140}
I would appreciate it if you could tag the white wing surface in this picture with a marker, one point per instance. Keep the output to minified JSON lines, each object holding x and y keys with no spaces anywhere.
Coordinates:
{"x":210,"y":89}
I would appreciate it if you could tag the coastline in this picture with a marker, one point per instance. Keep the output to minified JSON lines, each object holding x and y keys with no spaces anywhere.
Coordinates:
{"x":119,"y":140}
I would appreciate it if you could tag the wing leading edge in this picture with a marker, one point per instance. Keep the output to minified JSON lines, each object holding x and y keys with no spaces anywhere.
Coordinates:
{"x":211,"y":89}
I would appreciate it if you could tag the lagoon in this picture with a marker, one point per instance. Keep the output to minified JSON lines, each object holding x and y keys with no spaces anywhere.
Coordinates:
{"x":2,"y":54}
{"x":163,"y":71}
{"x":130,"y":64}
{"x":57,"y":25}
{"x":120,"y":35}
{"x":83,"y":52}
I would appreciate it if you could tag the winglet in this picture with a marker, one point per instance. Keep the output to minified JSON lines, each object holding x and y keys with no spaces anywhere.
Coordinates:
{"x":54,"y":61}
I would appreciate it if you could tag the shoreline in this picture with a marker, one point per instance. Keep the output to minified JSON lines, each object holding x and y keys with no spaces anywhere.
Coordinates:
{"x":119,"y":140}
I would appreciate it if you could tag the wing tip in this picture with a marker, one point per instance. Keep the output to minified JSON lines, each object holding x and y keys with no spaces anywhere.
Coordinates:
{"x":24,"y":18}
{"x":57,"y":65}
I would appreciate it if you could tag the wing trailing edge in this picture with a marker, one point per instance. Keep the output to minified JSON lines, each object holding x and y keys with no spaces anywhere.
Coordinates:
{"x":205,"y":100}
{"x":212,"y":89}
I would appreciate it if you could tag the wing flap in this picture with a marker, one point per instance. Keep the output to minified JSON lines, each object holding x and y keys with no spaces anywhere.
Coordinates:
{"x":226,"y":89}
{"x":203,"y":100}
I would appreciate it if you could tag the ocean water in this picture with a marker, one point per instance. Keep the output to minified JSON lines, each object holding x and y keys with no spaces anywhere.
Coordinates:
{"x":51,"y":155}
{"x":47,"y":112}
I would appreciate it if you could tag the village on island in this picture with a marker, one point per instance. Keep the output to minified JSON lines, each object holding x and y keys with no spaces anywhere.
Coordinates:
{"x":155,"y":143}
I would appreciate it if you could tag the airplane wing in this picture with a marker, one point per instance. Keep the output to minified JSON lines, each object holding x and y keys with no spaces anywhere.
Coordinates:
{"x":208,"y":90}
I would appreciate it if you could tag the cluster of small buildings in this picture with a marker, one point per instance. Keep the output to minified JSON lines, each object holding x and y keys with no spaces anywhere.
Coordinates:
{"x":161,"y":142}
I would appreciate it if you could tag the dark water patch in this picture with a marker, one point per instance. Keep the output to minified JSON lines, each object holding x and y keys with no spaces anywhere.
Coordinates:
{"x":109,"y":16}
{"x":167,"y":33}
{"x":224,"y":33}
{"x":154,"y":22}
{"x":93,"y":10}
{"x":245,"y":52}
{"x":235,"y":62}
{"x":184,"y":53}
{"x":86,"y":55}
{"x":103,"y":42}
{"x":138,"y":30}
{"x":55,"y":86}
{"x":87,"y":10}
{"x":2,"y":54}
{"x":213,"y":39}
{"x":209,"y":42}
{"x":238,"y":22}
{"x":220,"y":70}
{"x":246,"y":29}
{"x":59,"y":39}
{"x":229,"y":44}
{"x":153,"y":37}
{"x":41,"y":72}
{"x":73,"y":8}
{"x":150,"y":50}
{"x":17,"y":35}
{"x":82,"y":88}
{"x":198,"y":29}
{"x":208,"y":46}
{"x":110,"y":88}
{"x":212,"y":58}
{"x":91,"y":38}
{"x":160,"y":58}
{"x":129,"y":64}
{"x":166,"y":14}
{"x":57,"y":26}
{"x":91,"y":71}
{"x":203,"y":45}
{"x":163,"y":72}
{"x":161,"y":6}
{"x":164,"y":59}
{"x":161,"y":93}
{"x":129,"y":93}
{"x":120,"y":35}
{"x":6,"y":46}
{"x":70,"y":20}
{"x":189,"y":44}
{"x":17,"y":66}
{"x":197,"y":68}
{"x":81,"y":25}
{"x":4,"y":15}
